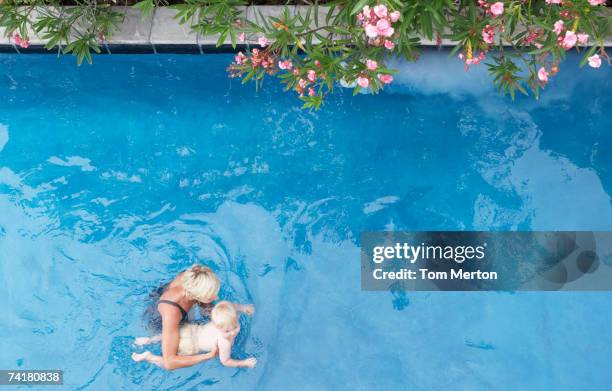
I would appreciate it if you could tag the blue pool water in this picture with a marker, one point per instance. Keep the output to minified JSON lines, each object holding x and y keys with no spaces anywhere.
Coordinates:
{"x":114,"y":177}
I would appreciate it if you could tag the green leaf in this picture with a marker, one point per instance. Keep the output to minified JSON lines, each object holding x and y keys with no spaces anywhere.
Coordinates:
{"x":146,"y":7}
{"x":248,"y":77}
{"x":426,"y":28}
{"x":586,"y":56}
{"x":358,"y":6}
{"x":221,"y":39}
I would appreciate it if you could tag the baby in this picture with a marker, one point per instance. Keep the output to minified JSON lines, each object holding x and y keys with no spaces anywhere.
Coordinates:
{"x":219,"y":334}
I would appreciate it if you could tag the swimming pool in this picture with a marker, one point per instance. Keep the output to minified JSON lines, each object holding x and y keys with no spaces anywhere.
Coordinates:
{"x":116,"y":176}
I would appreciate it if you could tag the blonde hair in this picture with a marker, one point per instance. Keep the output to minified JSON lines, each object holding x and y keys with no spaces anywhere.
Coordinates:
{"x":201,"y":284}
{"x":224,"y":315}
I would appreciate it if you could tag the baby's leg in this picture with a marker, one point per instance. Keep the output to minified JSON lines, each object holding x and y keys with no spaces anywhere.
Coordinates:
{"x":147,"y":340}
{"x":149,"y":357}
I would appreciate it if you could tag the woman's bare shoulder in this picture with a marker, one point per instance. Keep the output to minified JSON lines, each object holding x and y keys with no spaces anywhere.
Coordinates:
{"x":176,"y":281}
{"x":173,"y":292}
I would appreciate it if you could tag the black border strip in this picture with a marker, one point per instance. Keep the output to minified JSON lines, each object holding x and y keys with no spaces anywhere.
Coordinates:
{"x":136,"y":49}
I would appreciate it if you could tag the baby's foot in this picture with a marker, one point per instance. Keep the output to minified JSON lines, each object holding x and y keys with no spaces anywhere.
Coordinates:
{"x":141,"y":341}
{"x":140,"y":356}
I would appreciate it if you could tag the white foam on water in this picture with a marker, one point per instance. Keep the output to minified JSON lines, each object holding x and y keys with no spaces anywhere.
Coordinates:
{"x":105,"y":202}
{"x":73,"y":161}
{"x":379,"y":204}
{"x":122,"y":176}
{"x":184,"y":151}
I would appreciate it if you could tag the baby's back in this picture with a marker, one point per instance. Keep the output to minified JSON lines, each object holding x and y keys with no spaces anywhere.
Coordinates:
{"x":195,"y":338}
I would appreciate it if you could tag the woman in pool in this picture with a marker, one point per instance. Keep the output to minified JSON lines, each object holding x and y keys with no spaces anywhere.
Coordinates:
{"x":196,"y":285}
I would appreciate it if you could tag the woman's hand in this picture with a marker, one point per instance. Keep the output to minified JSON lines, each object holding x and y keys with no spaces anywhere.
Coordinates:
{"x":213,"y":352}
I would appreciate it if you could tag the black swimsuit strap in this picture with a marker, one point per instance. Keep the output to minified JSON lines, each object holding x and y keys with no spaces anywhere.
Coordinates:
{"x":183,"y":312}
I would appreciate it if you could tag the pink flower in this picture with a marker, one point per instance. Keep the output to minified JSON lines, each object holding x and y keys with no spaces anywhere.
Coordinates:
{"x":239,"y":58}
{"x":594,"y":61}
{"x":553,"y":1}
{"x":296,"y":71}
{"x":597,"y":2}
{"x":371,"y":31}
{"x":488,"y":38}
{"x":388,"y":32}
{"x":384,"y":28}
{"x":543,"y":75}
{"x":311,"y":92}
{"x":22,"y":42}
{"x":395,"y":15}
{"x":380,"y":11}
{"x":497,"y":8}
{"x":382,"y":24}
{"x":582,"y":38}
{"x":569,"y":40}
{"x":363,"y":82}
{"x":385,"y":79}
{"x":488,"y":33}
{"x":558,"y":27}
{"x":371,"y":64}
{"x":302,"y":83}
{"x":312,"y":75}
{"x":263,"y":42}
{"x":242,"y":37}
{"x":287,"y":65}
{"x":389,"y":44}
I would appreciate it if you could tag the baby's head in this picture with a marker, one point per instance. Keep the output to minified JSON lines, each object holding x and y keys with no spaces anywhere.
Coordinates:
{"x":225,"y":319}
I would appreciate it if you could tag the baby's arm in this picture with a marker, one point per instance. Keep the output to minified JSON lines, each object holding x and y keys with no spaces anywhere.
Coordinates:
{"x":225,"y":351}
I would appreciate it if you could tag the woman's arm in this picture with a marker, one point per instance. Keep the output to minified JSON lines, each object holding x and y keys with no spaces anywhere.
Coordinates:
{"x":170,"y":342}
